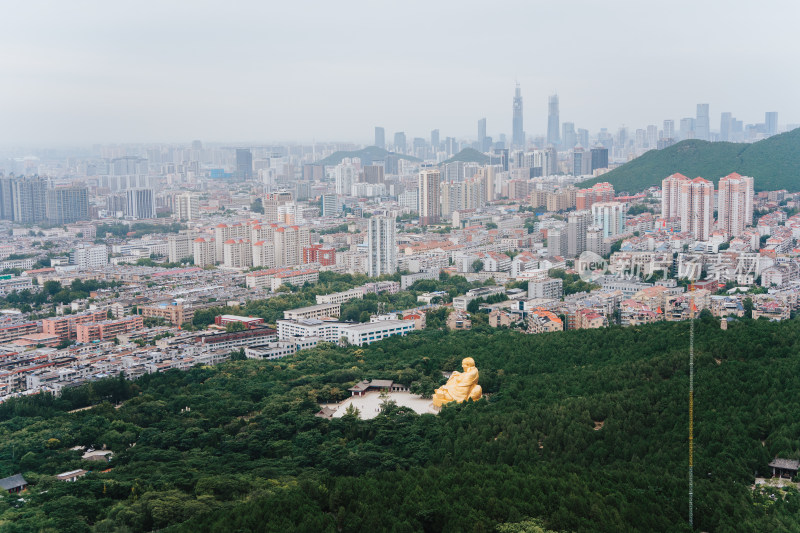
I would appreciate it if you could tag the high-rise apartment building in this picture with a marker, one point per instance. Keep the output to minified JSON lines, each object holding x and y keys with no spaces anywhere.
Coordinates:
{"x":289,"y":244}
{"x":141,"y":203}
{"x":67,"y":204}
{"x":380,"y":137}
{"x":434,"y":141}
{"x":428,"y":197}
{"x":187,"y":206}
{"x":701,"y":127}
{"x":481,"y":133}
{"x":557,"y":241}
{"x":179,"y":246}
{"x":735,"y":203}
{"x":203,"y":251}
{"x":696,"y":207}
{"x":670,"y":195}
{"x":6,"y":198}
{"x":610,"y":216}
{"x":518,"y":133}
{"x":691,"y":201}
{"x":244,"y":164}
{"x":577,"y":225}
{"x":237,"y":253}
{"x":29,"y":200}
{"x":381,"y":246}
{"x":553,"y":121}
{"x":374,"y":174}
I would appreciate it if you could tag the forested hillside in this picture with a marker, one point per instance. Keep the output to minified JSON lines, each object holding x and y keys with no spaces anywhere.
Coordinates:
{"x":774,"y":163}
{"x":584,"y":430}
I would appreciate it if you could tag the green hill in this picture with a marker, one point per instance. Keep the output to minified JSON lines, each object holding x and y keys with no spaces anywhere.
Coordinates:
{"x":774,"y":163}
{"x":469,"y":155}
{"x":584,"y":430}
{"x":370,"y":153}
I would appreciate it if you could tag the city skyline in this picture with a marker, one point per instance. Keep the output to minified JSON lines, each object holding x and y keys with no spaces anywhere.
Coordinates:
{"x":110,"y":74}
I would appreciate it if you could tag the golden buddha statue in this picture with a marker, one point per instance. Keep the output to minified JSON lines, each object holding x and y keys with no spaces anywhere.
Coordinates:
{"x":460,"y":386}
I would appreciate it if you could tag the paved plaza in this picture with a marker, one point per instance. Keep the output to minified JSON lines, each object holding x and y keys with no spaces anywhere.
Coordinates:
{"x":369,"y":405}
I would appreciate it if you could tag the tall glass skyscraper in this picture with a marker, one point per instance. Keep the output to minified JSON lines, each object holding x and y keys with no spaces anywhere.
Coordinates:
{"x":518,"y":134}
{"x":701,"y":126}
{"x":552,"y":121}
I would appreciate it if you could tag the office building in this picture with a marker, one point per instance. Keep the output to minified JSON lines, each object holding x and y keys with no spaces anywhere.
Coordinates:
{"x":187,"y":206}
{"x":599,"y":158}
{"x":381,"y":246}
{"x":725,"y":126}
{"x":66,"y":205}
{"x":481,"y":133}
{"x":435,"y":141}
{"x":141,"y":203}
{"x":568,"y":136}
{"x":735,"y":204}
{"x":319,"y":253}
{"x":331,"y":205}
{"x":518,"y":134}
{"x":669,"y":130}
{"x":701,"y":127}
{"x":553,"y":121}
{"x":400,"y":145}
{"x":771,"y":122}
{"x":244,"y":164}
{"x":428,"y":197}
{"x":380,"y":137}
{"x":610,"y":216}
{"x":88,"y":257}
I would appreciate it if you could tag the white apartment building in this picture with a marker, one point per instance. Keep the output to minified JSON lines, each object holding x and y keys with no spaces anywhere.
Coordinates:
{"x":355,"y":334}
{"x":87,"y":256}
{"x":735,"y":204}
{"x":203,"y":251}
{"x":313,"y":311}
{"x":341,"y":297}
{"x":237,"y":253}
{"x":381,"y":246}
{"x":294,"y":277}
{"x":187,"y":207}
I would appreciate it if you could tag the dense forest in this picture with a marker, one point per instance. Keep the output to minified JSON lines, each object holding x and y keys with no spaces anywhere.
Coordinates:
{"x":578,"y":431}
{"x":772,"y":162}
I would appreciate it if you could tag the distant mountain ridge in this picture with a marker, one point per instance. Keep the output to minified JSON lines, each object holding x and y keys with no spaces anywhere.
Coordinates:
{"x":368,"y":154}
{"x":774,"y":163}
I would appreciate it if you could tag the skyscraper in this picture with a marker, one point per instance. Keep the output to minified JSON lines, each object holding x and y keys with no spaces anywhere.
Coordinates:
{"x":244,"y":164}
{"x":669,"y":129}
{"x":6,"y":198}
{"x":380,"y":137}
{"x":381,"y":246}
{"x":735,"y":203}
{"x":599,"y":158}
{"x":434,"y":141}
{"x":568,"y":135}
{"x":481,"y":132}
{"x":553,"y":121}
{"x":67,"y":204}
{"x":725,"y":126}
{"x":518,"y":134}
{"x":400,"y":142}
{"x":428,"y":197}
{"x":701,"y":128}
{"x":771,"y":122}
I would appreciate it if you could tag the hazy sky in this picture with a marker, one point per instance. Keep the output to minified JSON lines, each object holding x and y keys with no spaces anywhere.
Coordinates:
{"x":118,"y":71}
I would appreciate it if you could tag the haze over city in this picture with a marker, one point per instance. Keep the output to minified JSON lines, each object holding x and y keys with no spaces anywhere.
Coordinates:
{"x":95,"y":72}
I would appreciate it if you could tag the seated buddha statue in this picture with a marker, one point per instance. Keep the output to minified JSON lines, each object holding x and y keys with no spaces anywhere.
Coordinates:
{"x":460,"y":386}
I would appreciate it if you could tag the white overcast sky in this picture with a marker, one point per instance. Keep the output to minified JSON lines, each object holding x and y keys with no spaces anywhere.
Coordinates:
{"x":263,"y":71}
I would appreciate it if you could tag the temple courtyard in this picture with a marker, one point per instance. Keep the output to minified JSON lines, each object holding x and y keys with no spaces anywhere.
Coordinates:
{"x":369,"y":404}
